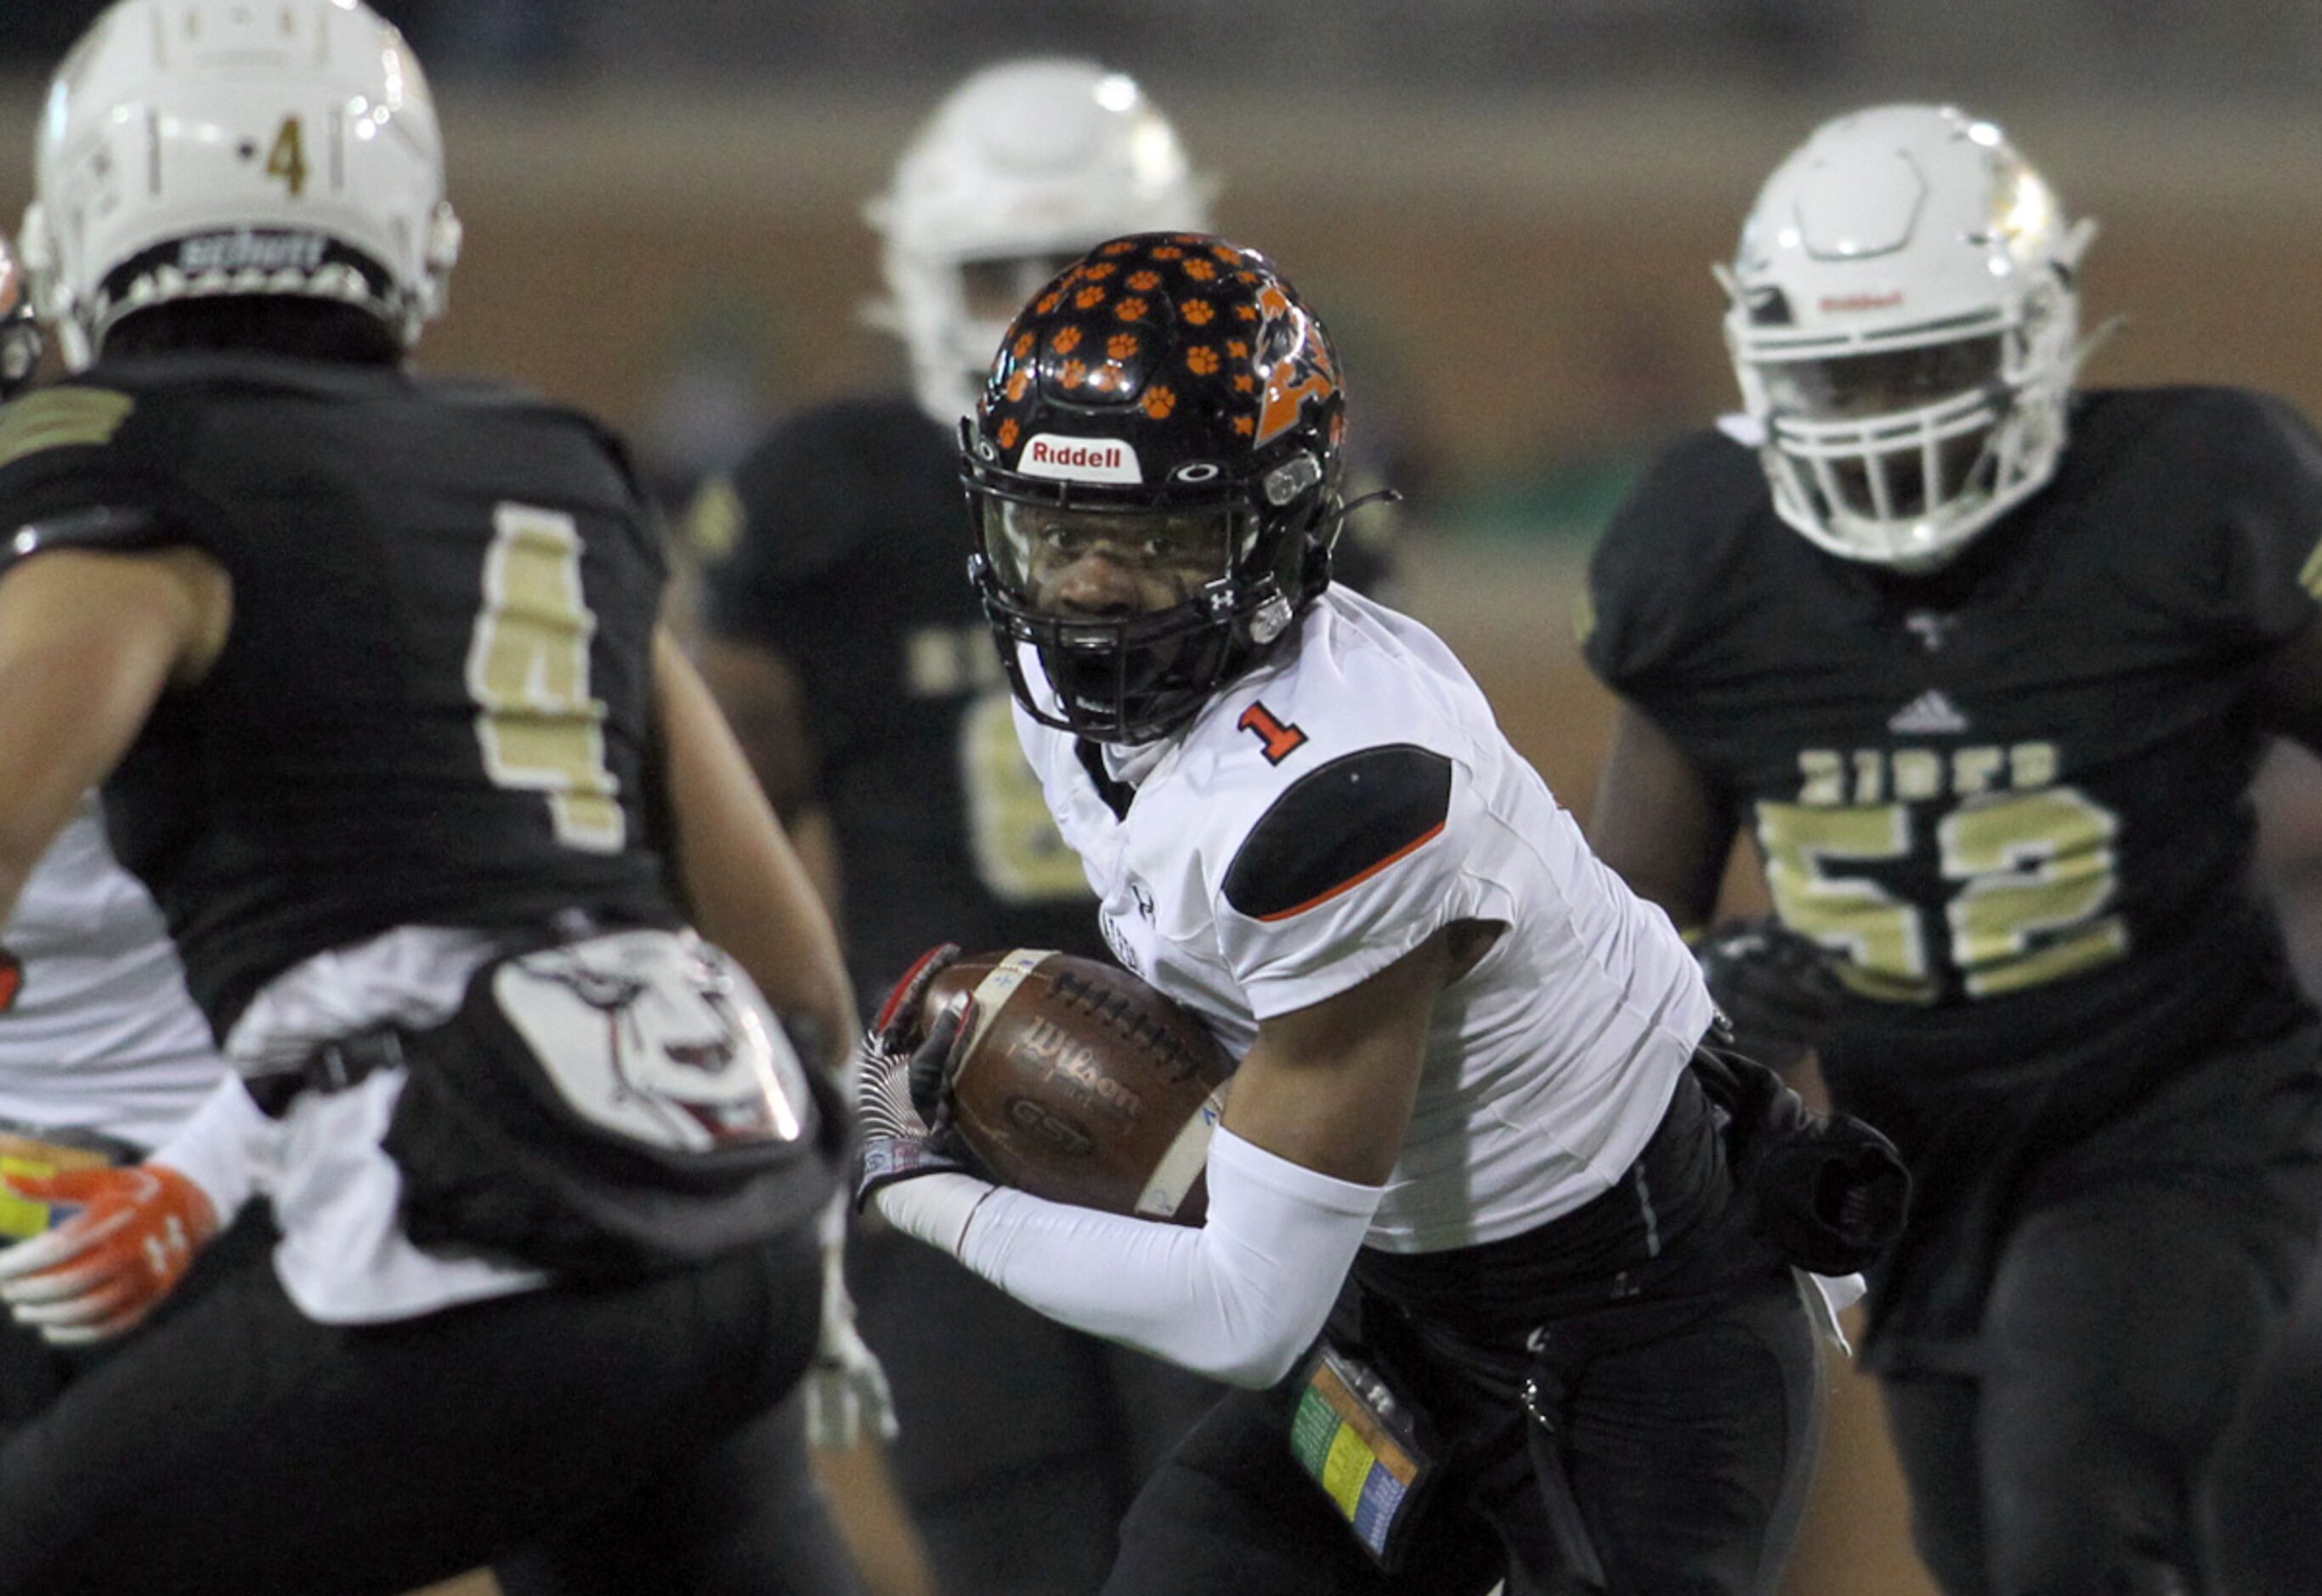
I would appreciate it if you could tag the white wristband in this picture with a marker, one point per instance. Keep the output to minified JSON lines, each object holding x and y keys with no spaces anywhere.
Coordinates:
{"x":933,"y":1209}
{"x":217,"y":1147}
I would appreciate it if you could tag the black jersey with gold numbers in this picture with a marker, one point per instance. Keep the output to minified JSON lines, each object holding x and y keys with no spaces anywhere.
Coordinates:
{"x":2012,"y":794}
{"x":841,"y":545}
{"x":433,"y":706}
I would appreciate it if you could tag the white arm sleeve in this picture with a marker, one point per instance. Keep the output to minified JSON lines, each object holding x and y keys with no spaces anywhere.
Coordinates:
{"x":217,"y":1146}
{"x":1240,"y":1298}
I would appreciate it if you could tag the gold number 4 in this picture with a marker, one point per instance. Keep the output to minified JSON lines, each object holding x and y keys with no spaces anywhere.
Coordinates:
{"x":287,"y":158}
{"x":528,"y":672}
{"x":2034,"y":869}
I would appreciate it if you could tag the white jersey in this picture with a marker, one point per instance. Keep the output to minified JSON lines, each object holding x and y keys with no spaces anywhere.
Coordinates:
{"x":1328,"y":812}
{"x":96,"y":1032}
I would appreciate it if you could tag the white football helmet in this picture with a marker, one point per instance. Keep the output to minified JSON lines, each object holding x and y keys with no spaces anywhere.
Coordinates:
{"x":217,"y":147}
{"x":1904,"y":324}
{"x":1023,"y":169}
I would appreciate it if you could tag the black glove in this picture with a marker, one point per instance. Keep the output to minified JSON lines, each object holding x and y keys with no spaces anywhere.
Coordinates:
{"x":1779,"y":991}
{"x":1827,"y":1192}
{"x":899,"y":1084}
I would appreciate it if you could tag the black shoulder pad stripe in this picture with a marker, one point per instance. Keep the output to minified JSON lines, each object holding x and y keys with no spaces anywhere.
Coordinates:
{"x":1338,"y":825}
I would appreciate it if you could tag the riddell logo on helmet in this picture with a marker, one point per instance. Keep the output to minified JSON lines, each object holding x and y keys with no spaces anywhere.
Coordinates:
{"x":1844,"y":302}
{"x":1080,"y":460}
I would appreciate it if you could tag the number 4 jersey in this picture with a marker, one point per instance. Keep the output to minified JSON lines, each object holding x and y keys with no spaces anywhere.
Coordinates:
{"x":433,"y":706}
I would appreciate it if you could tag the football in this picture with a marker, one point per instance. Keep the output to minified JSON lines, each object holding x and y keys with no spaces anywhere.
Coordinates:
{"x":1081,"y":1083}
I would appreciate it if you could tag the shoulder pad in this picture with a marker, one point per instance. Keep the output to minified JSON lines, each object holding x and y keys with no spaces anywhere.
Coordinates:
{"x":1338,"y":825}
{"x":1662,"y":553}
{"x":2211,"y":499}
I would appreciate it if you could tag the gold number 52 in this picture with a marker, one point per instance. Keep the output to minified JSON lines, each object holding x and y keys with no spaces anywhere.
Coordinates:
{"x":2033,"y":873}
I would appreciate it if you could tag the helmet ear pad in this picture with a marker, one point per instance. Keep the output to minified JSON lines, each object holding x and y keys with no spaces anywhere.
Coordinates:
{"x":1164,"y":373}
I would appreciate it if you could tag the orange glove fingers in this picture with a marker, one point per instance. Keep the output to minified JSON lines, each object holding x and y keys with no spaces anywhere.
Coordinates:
{"x":83,"y":1311}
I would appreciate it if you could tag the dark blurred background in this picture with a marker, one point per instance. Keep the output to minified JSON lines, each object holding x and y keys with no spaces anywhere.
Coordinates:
{"x":1506,"y":208}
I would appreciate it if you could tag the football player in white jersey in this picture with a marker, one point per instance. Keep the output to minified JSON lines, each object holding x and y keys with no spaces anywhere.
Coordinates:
{"x":844,"y":648}
{"x":1469,"y":1128}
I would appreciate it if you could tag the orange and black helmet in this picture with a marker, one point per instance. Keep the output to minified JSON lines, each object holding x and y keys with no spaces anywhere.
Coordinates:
{"x":1162,"y":372}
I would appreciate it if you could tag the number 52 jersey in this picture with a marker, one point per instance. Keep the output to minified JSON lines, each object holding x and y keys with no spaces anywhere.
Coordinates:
{"x":2012,"y":793}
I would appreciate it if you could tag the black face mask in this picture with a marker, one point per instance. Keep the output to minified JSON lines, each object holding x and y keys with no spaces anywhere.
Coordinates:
{"x":1121,"y":678}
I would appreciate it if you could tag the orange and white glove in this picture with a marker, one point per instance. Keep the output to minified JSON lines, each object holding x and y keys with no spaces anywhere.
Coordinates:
{"x":100,"y":1272}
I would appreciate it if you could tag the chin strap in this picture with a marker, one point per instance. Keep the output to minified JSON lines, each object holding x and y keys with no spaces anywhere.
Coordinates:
{"x":1321,"y":542}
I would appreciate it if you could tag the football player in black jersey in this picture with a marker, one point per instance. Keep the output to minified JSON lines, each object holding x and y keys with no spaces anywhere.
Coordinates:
{"x":370,"y":670}
{"x":1984,"y":663}
{"x":857,"y":669}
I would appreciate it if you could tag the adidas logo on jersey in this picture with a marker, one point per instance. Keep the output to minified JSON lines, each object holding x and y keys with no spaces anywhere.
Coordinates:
{"x":1930,"y":715}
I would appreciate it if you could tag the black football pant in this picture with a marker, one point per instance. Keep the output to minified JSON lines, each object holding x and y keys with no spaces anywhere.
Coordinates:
{"x":2265,"y":1487}
{"x":1677,"y":1355}
{"x":2122,"y":1328}
{"x":33,"y":1374}
{"x":1688,"y":1451}
{"x":1023,"y":1442}
{"x":240,"y":1449}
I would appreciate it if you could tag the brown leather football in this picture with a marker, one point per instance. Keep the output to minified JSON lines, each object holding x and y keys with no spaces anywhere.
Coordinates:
{"x":1079,"y":1082}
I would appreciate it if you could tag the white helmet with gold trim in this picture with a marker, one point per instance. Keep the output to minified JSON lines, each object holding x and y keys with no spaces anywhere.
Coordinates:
{"x":237,"y":147}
